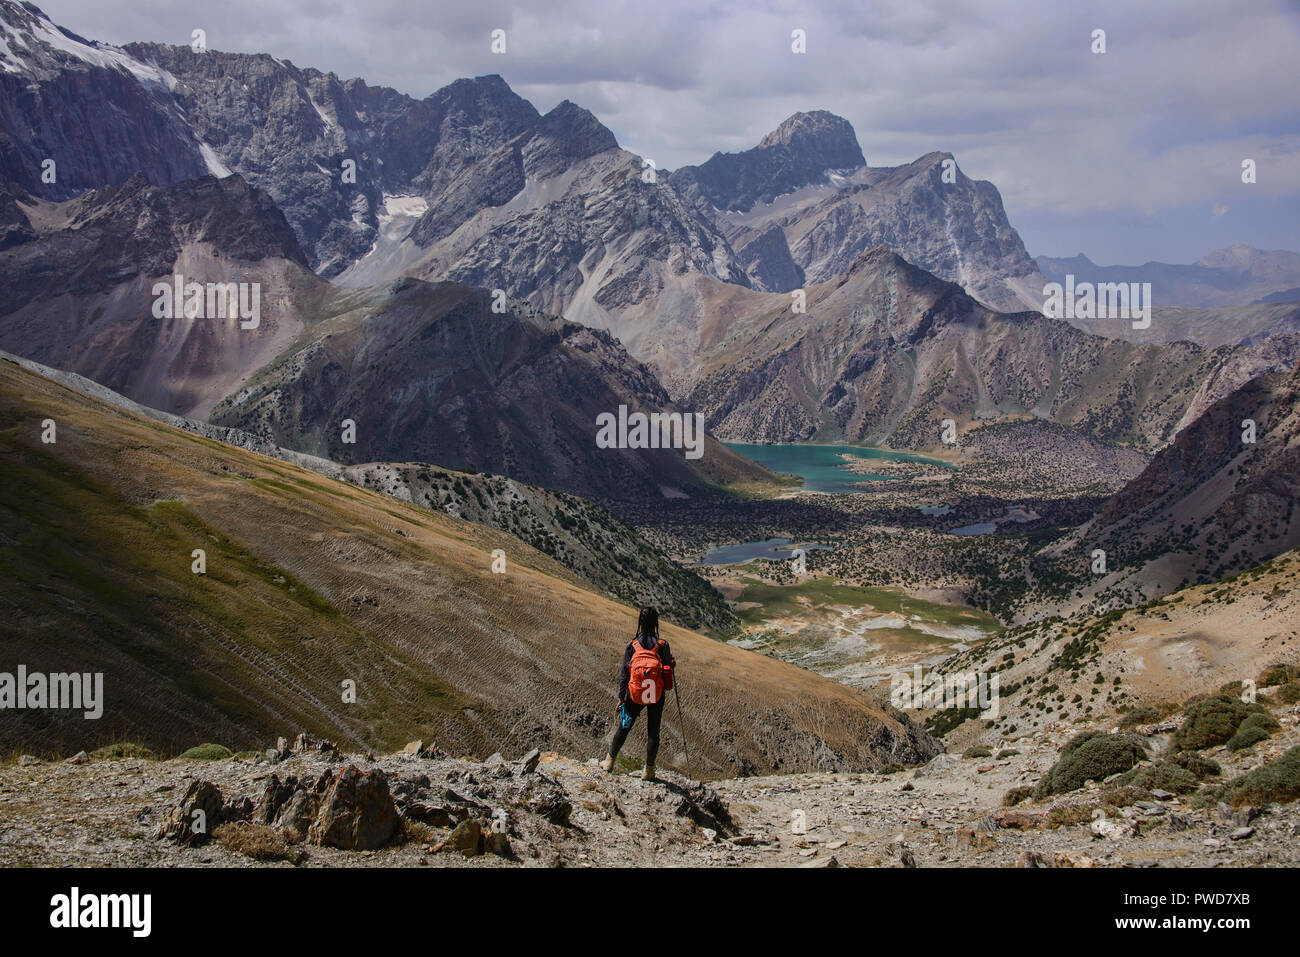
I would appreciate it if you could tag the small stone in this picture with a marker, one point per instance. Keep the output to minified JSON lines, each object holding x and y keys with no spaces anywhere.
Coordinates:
{"x":1245,"y":815}
{"x":1160,"y":795}
{"x":528,"y":763}
{"x":822,"y":862}
{"x":497,"y":842}
{"x":81,"y":757}
{"x":1241,"y":833}
{"x":466,"y":838}
{"x":413,"y":747}
{"x":27,"y":760}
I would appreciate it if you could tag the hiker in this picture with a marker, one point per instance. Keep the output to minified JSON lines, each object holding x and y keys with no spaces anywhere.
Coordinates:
{"x":646,"y":674}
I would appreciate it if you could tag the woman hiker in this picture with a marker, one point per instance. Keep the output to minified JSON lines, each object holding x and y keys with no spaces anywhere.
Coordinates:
{"x":646,"y":674}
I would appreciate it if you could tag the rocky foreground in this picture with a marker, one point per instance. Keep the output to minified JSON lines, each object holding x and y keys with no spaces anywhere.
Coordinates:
{"x":310,"y":805}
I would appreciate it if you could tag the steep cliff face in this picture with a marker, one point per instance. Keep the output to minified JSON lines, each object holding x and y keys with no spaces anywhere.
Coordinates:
{"x":429,"y":372}
{"x":328,"y":150}
{"x":78,"y":292}
{"x":808,"y":178}
{"x":1225,"y":488}
{"x":98,"y":114}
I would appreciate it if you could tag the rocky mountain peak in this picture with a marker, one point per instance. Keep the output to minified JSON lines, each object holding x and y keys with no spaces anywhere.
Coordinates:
{"x":826,"y":140}
{"x":800,"y":152}
{"x":577,"y":131}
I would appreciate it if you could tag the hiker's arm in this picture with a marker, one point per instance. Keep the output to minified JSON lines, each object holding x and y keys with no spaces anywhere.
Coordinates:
{"x":667,"y":656}
{"x":625,"y":673}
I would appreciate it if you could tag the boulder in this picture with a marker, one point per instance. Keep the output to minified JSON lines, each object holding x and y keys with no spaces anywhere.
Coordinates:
{"x":297,"y":815}
{"x":550,"y":803}
{"x":940,"y":764}
{"x":237,"y":809}
{"x":192,"y":820}
{"x":497,"y":842}
{"x":467,"y":838}
{"x":528,"y":763}
{"x":356,"y":811}
{"x":275,"y":795}
{"x":435,"y":815}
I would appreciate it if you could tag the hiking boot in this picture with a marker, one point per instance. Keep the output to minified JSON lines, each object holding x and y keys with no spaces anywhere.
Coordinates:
{"x":648,"y":774}
{"x":607,"y":763}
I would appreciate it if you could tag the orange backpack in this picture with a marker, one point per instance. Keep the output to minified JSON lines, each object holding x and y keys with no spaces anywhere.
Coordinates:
{"x":645,"y":683}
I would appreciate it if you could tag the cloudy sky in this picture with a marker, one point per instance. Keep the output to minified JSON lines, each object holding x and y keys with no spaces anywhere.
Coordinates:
{"x":1127,"y":156}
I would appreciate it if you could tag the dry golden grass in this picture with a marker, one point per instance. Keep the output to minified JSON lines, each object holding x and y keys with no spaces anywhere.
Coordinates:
{"x":312,"y":582}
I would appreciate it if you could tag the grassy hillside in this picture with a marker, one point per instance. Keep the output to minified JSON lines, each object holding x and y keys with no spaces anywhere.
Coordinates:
{"x":583,"y":536}
{"x":311,"y":582}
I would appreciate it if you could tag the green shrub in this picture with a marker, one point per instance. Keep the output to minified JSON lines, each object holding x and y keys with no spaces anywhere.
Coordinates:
{"x":1161,"y":776}
{"x":1125,"y":796}
{"x":1141,"y":715}
{"x":1197,"y":763}
{"x":1257,"y":727}
{"x":941,"y":722}
{"x":1277,"y":674}
{"x":979,"y":751}
{"x":1066,"y":815}
{"x":1016,"y":795}
{"x":1090,"y":756}
{"x":1288,"y":693}
{"x":1212,"y":721}
{"x":1278,"y":781}
{"x":206,"y":752}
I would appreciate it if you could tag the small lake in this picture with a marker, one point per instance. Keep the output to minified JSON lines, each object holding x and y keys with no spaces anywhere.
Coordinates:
{"x":774,"y":549}
{"x":820,"y":466}
{"x":980,"y":528}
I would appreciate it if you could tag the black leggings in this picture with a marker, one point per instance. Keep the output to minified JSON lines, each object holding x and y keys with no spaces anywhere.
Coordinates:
{"x":654,"y":712}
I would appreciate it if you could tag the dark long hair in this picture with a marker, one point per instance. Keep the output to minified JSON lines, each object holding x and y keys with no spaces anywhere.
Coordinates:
{"x":648,"y":624}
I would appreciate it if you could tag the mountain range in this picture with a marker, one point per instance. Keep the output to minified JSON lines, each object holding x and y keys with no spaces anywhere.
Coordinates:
{"x":383,"y":226}
{"x":1237,"y":275}
{"x":322,"y":354}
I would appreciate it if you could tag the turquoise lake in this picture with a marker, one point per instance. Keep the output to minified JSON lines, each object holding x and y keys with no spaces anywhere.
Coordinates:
{"x":820,"y":466}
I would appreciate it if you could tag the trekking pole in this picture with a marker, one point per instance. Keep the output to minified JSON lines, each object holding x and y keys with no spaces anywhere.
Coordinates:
{"x":681,"y":724}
